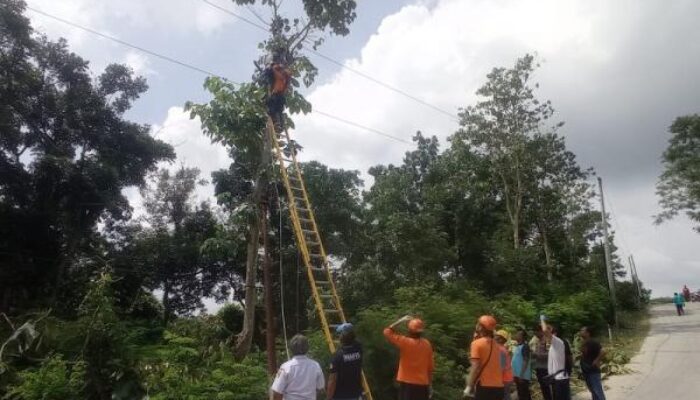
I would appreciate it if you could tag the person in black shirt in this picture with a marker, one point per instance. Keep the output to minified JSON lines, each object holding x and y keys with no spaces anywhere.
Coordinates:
{"x":345,"y":378}
{"x":591,"y":355}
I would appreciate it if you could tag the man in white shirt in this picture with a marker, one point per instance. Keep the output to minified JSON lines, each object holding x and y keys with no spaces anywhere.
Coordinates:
{"x":556,"y":363}
{"x":300,"y":378}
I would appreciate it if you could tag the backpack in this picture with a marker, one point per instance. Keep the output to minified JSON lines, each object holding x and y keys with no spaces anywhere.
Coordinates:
{"x":568,"y":358}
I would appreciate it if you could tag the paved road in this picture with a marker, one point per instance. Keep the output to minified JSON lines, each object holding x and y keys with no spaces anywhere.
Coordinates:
{"x":668,"y":364}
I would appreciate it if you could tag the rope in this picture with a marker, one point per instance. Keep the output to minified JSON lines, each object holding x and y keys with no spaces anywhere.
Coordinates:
{"x":284,"y":318}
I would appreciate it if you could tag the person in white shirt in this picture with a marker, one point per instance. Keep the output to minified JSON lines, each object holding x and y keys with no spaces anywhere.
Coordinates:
{"x":556,"y":363}
{"x":300,"y":378}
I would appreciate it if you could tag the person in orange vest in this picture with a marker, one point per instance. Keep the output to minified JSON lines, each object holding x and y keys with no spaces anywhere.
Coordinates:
{"x":416,"y":362}
{"x":502,"y":337}
{"x":278,"y":77}
{"x":485,"y":379}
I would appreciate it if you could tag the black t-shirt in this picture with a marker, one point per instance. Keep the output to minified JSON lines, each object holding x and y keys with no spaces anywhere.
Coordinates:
{"x":347,"y":364}
{"x":590,"y":350}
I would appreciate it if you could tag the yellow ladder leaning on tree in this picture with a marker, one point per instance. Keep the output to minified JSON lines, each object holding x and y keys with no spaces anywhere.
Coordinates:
{"x":308,"y":239}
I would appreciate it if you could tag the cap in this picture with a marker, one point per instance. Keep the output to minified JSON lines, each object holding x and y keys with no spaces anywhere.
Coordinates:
{"x":488,"y":322}
{"x":416,"y":325}
{"x":504,"y":334}
{"x":344,"y":327}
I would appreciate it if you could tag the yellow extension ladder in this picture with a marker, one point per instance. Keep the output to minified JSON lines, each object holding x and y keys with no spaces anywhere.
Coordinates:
{"x":308,"y":239}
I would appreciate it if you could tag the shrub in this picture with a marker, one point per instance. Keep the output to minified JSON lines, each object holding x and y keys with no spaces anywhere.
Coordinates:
{"x":53,"y":380}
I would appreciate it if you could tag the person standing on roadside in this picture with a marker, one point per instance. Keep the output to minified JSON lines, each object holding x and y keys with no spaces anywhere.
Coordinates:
{"x":591,"y":356}
{"x":502,"y":337}
{"x":300,"y":378}
{"x":416,"y":362}
{"x":485,"y":379}
{"x":540,"y":353}
{"x":345,"y":373}
{"x":678,"y":301}
{"x":686,"y":293}
{"x":522,"y":369}
{"x":557,"y":367}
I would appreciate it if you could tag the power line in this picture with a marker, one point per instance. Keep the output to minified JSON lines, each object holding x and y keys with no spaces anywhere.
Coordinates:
{"x":201,"y":70}
{"x":133,"y":46}
{"x":355,"y":124}
{"x":342,"y":65}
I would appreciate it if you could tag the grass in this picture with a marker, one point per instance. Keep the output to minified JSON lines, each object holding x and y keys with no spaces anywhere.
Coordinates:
{"x":633,"y":329}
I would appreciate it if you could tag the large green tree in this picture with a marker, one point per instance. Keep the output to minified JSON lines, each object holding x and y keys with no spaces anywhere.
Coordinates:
{"x":66,"y":153}
{"x":237,"y":116}
{"x":500,"y":126}
{"x":679,"y":184}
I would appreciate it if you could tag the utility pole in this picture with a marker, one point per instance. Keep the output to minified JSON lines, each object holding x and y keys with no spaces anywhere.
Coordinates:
{"x":606,"y":247}
{"x":636,"y":277}
{"x":634,"y":281}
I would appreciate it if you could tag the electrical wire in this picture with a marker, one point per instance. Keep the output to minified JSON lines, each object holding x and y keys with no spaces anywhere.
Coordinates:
{"x":127,"y":44}
{"x":342,"y":65}
{"x":202,"y":70}
{"x":284,"y":317}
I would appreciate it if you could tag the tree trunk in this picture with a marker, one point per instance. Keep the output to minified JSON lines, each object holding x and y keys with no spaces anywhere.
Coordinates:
{"x":245,"y":337}
{"x":166,"y":302}
{"x":547,"y":254}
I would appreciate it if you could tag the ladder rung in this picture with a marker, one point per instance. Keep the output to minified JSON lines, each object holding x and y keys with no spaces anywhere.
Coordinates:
{"x":305,"y":220}
{"x":316,"y":256}
{"x":322,"y":282}
{"x":308,"y":231}
{"x":332,"y":311}
{"x":325,"y":296}
{"x":319,"y":269}
{"x":313,"y":243}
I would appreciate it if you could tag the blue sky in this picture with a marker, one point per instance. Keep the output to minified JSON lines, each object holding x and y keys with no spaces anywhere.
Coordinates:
{"x":617,"y":73}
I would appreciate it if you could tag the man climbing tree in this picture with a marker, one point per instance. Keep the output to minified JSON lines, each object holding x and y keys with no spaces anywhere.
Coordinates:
{"x":249,"y":102}
{"x":277,"y":76}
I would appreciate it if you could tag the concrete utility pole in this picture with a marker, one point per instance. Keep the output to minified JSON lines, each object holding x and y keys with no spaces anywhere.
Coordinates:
{"x":606,"y":247}
{"x":636,"y":277}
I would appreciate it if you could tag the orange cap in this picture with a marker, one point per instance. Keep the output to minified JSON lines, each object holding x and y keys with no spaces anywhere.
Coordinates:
{"x":488,"y":322}
{"x":416,"y":325}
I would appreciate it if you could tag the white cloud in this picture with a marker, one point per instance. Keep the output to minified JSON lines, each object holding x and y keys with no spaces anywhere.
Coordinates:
{"x":192,"y":148}
{"x":139,"y":63}
{"x":615,"y":84}
{"x":170,"y":16}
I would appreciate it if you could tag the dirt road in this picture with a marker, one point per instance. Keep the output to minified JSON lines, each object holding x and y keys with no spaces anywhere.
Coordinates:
{"x":667,"y":364}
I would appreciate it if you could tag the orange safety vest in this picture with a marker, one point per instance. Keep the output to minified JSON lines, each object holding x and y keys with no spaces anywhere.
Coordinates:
{"x":280,"y":80}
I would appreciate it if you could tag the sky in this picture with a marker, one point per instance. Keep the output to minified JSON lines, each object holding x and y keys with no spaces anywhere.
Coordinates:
{"x":617,"y":73}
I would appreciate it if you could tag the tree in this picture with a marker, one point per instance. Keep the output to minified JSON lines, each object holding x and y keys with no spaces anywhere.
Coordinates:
{"x":237,"y":117}
{"x":500,"y":126}
{"x":175,"y":233}
{"x":679,"y":184}
{"x":66,"y":153}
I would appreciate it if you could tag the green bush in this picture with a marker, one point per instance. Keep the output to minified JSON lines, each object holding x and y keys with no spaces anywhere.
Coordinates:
{"x":53,"y":380}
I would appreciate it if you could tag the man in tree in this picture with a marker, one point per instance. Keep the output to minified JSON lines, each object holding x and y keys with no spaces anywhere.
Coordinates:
{"x":300,"y":378}
{"x":277,"y":76}
{"x":345,"y":374}
{"x":416,"y":363}
{"x":485,"y":379}
{"x":591,"y":356}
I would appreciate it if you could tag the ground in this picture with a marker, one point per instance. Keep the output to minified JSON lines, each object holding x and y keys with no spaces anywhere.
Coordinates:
{"x":662,"y":366}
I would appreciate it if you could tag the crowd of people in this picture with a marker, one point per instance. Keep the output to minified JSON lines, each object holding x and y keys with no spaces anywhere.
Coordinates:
{"x":500,"y":367}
